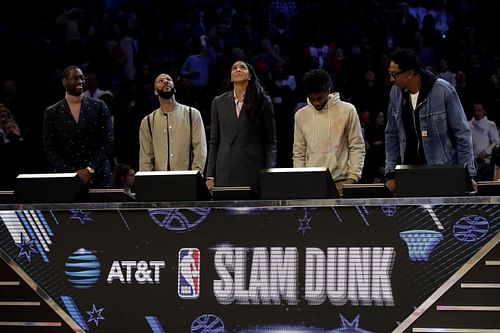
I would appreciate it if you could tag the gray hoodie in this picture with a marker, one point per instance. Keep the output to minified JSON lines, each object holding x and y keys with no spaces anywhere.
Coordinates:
{"x":330,"y":138}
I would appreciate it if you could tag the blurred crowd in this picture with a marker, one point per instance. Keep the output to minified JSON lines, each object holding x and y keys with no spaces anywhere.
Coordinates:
{"x":122,"y":45}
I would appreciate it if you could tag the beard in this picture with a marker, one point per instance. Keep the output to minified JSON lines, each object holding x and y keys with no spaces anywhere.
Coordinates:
{"x":321,"y":107}
{"x":166,"y":94}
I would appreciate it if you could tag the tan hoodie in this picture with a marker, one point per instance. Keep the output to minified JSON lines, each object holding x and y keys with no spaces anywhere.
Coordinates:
{"x":330,"y":138}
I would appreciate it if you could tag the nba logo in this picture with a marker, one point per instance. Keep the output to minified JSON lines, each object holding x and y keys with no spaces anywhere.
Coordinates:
{"x":188,"y":283}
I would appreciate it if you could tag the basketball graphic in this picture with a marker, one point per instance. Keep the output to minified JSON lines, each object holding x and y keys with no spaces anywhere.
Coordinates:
{"x":179,"y":220}
{"x":207,"y":323}
{"x":389,"y":210}
{"x":471,"y":228}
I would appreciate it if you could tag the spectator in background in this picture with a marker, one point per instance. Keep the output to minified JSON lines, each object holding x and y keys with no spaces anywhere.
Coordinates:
{"x":445,"y":73}
{"x":370,"y":94}
{"x":283,"y":79}
{"x":186,"y":30}
{"x":28,"y":116}
{"x":243,"y":133}
{"x":123,"y":178}
{"x":13,"y":100}
{"x":92,"y":85}
{"x":363,"y":29}
{"x":4,"y":115}
{"x":172,"y":137}
{"x":405,"y":25}
{"x":15,"y":154}
{"x":77,"y":133}
{"x":317,"y":51}
{"x":131,"y":105}
{"x":495,"y":161}
{"x":70,"y":20}
{"x":373,"y":170}
{"x":465,"y":92}
{"x":107,"y":97}
{"x":426,"y":121}
{"x":425,"y":51}
{"x":442,"y":16}
{"x":226,"y":9}
{"x":129,"y":44}
{"x":432,"y":36}
{"x":11,"y":130}
{"x":280,"y":13}
{"x":418,"y":11}
{"x":161,"y":52}
{"x":484,"y":137}
{"x":492,"y":96}
{"x":282,"y":92}
{"x":195,"y":72}
{"x":364,"y":121}
{"x":328,"y":132}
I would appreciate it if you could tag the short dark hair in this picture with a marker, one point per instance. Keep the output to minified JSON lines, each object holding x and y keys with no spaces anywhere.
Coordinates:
{"x":67,"y":71}
{"x":317,"y":80}
{"x":119,"y":171}
{"x":407,"y":60}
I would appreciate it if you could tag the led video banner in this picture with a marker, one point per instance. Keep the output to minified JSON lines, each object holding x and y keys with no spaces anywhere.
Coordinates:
{"x":214,"y":270}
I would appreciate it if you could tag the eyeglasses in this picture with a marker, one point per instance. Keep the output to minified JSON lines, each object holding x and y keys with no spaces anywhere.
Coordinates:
{"x":394,"y":75}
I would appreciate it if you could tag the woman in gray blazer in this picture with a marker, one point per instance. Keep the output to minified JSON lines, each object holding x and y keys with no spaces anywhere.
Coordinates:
{"x":243,"y":133}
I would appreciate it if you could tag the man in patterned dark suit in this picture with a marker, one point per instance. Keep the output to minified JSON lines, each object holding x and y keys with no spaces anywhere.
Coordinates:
{"x":77,"y":133}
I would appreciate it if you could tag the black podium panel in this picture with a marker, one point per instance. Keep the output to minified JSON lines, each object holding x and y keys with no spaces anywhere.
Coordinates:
{"x":170,"y":186}
{"x":297,"y":183}
{"x":432,"y":181}
{"x":110,"y":195}
{"x":234,"y":193}
{"x":488,"y":188}
{"x":6,"y":197}
{"x":49,"y":188}
{"x":365,"y":191}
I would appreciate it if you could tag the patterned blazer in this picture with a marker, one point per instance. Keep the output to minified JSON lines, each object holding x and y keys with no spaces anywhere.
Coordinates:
{"x":70,"y":146}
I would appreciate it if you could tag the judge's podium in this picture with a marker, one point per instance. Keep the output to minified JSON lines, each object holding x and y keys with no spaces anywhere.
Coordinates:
{"x":251,"y":265}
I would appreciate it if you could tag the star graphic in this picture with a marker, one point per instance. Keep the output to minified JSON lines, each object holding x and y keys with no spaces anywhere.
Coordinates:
{"x":350,"y":326}
{"x":95,"y":315}
{"x":304,"y":223}
{"x":81,"y":215}
{"x":26,"y":248}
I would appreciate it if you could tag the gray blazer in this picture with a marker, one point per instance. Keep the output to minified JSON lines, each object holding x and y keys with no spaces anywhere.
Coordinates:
{"x":239,"y":147}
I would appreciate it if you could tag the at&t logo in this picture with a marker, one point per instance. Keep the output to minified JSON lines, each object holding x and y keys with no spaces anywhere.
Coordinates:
{"x":130,"y":271}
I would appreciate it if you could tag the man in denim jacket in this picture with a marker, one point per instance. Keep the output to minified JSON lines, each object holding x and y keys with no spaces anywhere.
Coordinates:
{"x":426,"y":122}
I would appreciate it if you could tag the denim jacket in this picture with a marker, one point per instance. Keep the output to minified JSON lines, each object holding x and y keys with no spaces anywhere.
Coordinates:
{"x":446,"y":137}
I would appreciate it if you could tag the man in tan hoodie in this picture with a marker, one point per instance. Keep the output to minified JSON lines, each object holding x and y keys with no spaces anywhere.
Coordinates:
{"x":328,"y":132}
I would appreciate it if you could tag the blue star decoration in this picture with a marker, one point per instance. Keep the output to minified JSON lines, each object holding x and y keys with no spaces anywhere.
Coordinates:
{"x":350,"y":326}
{"x":95,"y":315}
{"x":26,"y":248}
{"x":304,"y":223}
{"x":81,"y":215}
